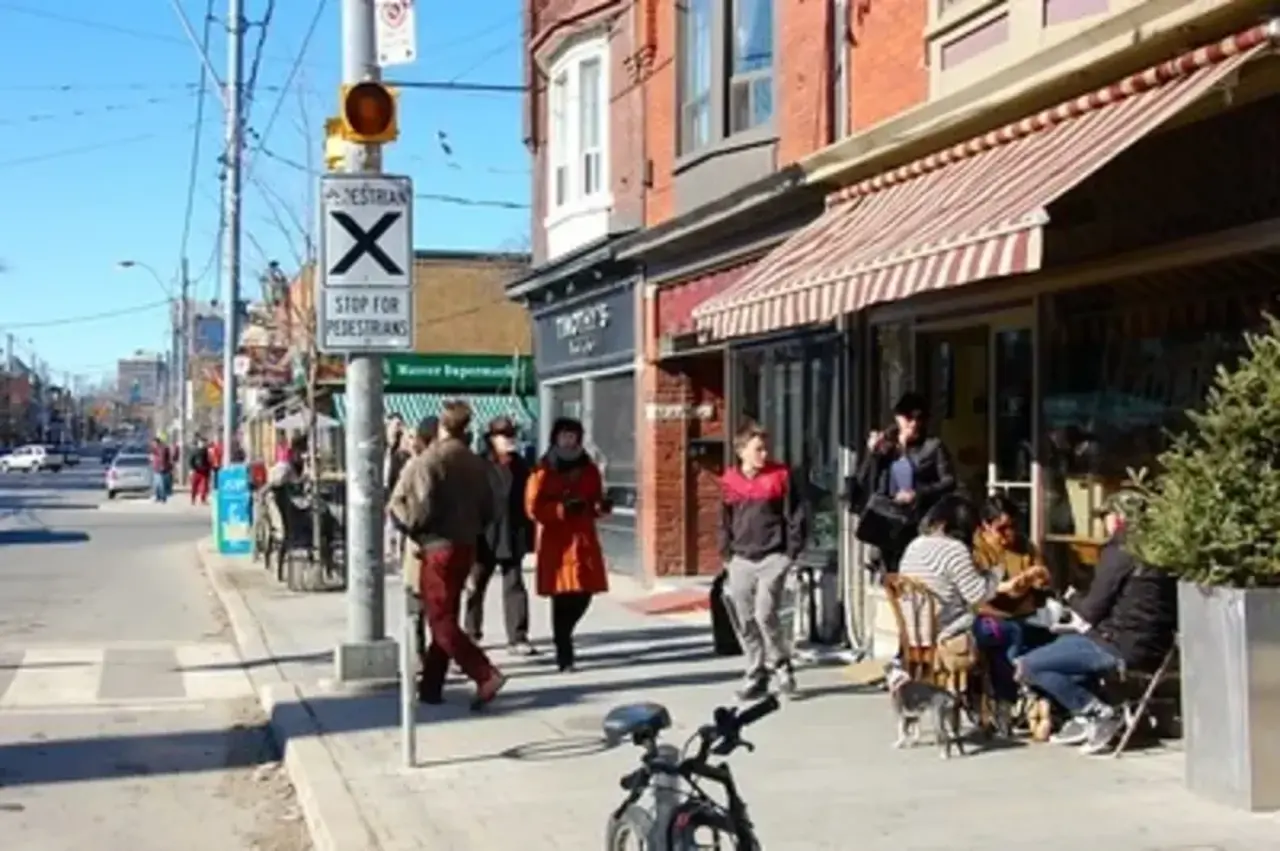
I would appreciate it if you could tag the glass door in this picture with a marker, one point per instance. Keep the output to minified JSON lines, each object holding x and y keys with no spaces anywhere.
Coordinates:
{"x":1012,"y":420}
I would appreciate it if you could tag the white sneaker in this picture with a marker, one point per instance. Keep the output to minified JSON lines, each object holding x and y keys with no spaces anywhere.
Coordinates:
{"x":786,"y":681}
{"x":1074,"y":732}
{"x":1102,"y":732}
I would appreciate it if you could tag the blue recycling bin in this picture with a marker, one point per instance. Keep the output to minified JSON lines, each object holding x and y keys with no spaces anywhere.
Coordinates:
{"x":233,"y":511}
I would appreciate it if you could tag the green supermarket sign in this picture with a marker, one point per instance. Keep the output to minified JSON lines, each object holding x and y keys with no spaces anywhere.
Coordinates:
{"x":487,"y":373}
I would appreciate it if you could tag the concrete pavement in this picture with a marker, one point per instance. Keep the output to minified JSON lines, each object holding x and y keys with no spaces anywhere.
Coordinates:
{"x":126,"y":719}
{"x":532,"y":772}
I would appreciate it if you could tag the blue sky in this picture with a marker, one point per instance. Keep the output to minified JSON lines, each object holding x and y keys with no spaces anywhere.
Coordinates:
{"x":96,"y":140}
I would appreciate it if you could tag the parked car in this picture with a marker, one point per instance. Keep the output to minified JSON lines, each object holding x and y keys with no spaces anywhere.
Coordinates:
{"x":129,"y":474}
{"x":32,"y":459}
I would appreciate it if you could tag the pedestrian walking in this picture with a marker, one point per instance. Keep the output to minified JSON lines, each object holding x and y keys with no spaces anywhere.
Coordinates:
{"x":565,"y":496}
{"x":399,"y":451}
{"x":505,"y":542}
{"x":200,"y":468}
{"x":161,"y":470}
{"x":763,"y":527}
{"x":215,"y":461}
{"x":444,"y":503}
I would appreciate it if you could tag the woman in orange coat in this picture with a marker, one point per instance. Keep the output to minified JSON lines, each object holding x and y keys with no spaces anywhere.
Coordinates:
{"x":564,"y":497}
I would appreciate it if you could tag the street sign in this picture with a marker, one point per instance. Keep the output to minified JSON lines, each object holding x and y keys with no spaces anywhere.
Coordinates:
{"x":395,"y":32}
{"x":367,"y":234}
{"x":366,"y":320}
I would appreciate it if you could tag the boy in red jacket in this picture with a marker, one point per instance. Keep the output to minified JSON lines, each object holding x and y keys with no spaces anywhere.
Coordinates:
{"x":763,"y":528}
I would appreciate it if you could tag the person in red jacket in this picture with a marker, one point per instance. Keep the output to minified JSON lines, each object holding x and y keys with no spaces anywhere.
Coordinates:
{"x":763,"y":527}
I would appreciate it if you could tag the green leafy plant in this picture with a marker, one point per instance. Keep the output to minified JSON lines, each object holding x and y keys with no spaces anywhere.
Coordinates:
{"x":1212,"y":515}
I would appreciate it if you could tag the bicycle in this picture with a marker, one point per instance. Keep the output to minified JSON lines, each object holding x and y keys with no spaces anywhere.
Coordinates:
{"x":681,"y":807}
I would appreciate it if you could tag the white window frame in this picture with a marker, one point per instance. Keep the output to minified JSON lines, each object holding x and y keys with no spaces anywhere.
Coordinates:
{"x":586,"y":177}
{"x":558,"y":188}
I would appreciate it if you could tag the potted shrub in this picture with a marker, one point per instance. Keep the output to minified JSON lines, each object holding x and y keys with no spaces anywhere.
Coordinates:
{"x":1213,"y":520}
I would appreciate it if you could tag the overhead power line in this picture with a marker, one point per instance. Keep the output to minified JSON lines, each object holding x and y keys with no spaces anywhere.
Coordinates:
{"x":193,"y":171}
{"x":457,"y":86}
{"x":83,"y":149}
{"x":87,"y":112}
{"x":90,"y":317}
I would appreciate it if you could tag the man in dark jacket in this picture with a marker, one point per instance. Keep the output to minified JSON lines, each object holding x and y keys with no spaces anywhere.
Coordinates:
{"x":1129,"y":620}
{"x":506,"y":541}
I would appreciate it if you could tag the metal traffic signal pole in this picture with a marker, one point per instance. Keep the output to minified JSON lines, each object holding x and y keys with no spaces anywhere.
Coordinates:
{"x":366,"y":613}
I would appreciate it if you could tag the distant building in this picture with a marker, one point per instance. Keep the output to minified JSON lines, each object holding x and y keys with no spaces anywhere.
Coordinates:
{"x":140,"y":378}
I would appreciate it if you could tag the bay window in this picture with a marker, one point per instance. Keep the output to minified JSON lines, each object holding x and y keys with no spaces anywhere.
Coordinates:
{"x":751,"y":64}
{"x":725,"y":70}
{"x":577,"y":176}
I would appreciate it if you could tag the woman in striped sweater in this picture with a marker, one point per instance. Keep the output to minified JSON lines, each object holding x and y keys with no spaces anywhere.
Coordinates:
{"x":942,"y":558}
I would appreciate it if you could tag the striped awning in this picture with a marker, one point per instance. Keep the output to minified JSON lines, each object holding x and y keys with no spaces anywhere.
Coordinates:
{"x":971,"y":212}
{"x":415,"y":407}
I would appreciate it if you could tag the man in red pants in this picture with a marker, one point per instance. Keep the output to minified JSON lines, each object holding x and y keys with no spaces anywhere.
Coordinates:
{"x":201,"y":467}
{"x":443,"y":502}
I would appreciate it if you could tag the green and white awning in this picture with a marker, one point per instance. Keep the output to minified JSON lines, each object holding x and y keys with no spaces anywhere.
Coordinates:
{"x":415,"y":407}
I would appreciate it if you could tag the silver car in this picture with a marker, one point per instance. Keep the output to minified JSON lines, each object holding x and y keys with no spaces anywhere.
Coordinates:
{"x":130,"y":474}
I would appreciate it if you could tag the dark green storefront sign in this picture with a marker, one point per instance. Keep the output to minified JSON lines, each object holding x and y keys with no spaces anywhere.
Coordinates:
{"x":470,"y":373}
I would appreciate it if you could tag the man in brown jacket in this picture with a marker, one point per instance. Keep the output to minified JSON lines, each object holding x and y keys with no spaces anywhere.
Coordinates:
{"x":444,"y":502}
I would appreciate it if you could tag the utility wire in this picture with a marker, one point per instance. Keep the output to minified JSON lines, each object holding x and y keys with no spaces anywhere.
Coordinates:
{"x":82,"y":149}
{"x":255,"y":65}
{"x":194,"y":170}
{"x":261,"y":138}
{"x":90,"y":317}
{"x":86,"y":112}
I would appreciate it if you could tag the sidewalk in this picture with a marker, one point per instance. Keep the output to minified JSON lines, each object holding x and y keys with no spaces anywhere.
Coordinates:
{"x":531,"y":773}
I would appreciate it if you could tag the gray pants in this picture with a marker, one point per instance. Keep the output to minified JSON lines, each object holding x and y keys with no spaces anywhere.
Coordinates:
{"x":755,"y":593}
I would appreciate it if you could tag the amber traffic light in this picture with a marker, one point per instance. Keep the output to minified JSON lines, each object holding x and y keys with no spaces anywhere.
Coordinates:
{"x":369,"y":113}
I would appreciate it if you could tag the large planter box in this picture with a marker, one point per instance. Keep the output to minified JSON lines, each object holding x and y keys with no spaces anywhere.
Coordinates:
{"x":1231,"y":694}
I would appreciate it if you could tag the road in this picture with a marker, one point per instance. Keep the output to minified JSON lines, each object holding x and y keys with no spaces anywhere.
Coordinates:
{"x":126,"y":720}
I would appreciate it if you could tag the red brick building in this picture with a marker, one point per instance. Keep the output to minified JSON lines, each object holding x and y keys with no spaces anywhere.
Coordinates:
{"x":651,"y":125}
{"x":714,"y":179}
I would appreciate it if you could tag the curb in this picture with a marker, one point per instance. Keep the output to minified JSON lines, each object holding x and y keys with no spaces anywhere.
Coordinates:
{"x":333,"y":817}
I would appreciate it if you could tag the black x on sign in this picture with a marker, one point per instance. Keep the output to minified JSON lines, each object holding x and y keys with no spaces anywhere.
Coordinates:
{"x":366,"y":242}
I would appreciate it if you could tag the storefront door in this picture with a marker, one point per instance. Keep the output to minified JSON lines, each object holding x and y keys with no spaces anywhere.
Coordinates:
{"x":978,"y":375}
{"x":1011,"y":465}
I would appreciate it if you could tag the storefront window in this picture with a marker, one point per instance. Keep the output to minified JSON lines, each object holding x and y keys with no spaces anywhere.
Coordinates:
{"x":892,"y":369}
{"x":1122,"y":367}
{"x":793,"y":391}
{"x":566,"y":401}
{"x":613,"y":435}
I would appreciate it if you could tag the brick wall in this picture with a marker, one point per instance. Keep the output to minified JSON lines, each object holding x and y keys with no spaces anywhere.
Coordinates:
{"x":680,"y":494}
{"x":460,"y":305}
{"x":888,"y":68}
{"x":803,"y":68}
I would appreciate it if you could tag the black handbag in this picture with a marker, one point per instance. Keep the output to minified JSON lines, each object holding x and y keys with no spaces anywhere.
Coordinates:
{"x":883,"y":523}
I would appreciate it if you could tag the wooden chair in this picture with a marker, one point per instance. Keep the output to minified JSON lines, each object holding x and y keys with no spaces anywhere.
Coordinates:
{"x":1135,"y":711}
{"x":915,"y":609}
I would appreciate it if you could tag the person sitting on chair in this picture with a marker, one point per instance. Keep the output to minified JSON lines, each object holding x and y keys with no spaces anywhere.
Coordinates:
{"x":1002,"y":624}
{"x":1131,"y":618}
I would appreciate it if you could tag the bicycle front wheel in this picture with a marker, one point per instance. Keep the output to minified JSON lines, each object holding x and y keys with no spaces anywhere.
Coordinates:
{"x":698,"y":827}
{"x":630,"y":831}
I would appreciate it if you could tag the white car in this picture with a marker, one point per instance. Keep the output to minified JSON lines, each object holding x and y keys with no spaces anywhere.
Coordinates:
{"x":32,"y":459}
{"x":130,"y":473}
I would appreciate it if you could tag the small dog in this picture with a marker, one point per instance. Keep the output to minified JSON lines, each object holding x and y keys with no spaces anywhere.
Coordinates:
{"x":914,"y":700}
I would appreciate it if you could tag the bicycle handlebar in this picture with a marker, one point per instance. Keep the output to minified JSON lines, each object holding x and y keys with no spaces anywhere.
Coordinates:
{"x":723,"y":736}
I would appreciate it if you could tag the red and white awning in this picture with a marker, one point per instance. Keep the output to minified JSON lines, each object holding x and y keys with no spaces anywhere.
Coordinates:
{"x":974,"y":211}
